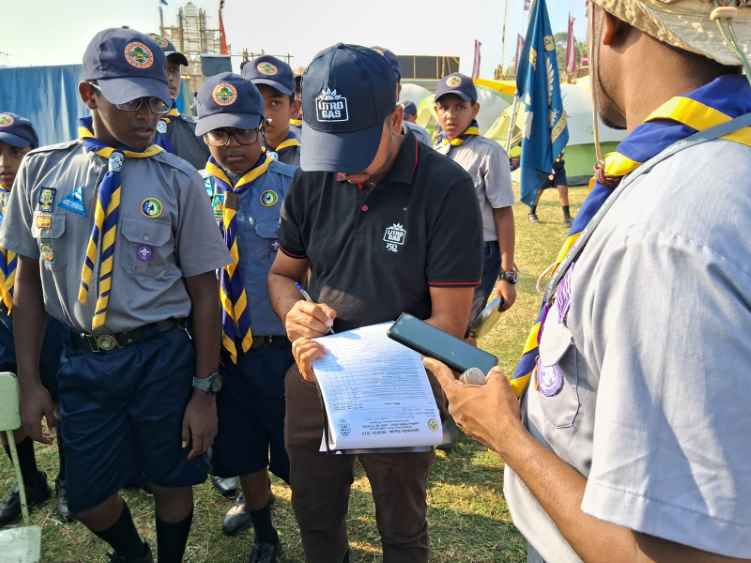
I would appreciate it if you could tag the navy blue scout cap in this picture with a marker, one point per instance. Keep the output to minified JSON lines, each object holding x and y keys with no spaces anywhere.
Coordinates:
{"x":348,"y":92}
{"x":272,"y":72}
{"x":17,"y":131}
{"x":169,"y":49}
{"x":228,"y":100}
{"x":392,"y":60}
{"x":457,"y":84}
{"x":127,"y":65}
{"x":409,"y":109}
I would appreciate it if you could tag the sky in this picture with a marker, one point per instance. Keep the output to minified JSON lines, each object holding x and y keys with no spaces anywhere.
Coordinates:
{"x":51,"y":32}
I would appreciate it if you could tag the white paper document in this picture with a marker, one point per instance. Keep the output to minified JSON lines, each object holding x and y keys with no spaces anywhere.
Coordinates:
{"x":375,"y":392}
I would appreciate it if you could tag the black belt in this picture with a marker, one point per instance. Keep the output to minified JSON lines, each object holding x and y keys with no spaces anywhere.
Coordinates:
{"x":270,"y":340}
{"x":112,"y":341}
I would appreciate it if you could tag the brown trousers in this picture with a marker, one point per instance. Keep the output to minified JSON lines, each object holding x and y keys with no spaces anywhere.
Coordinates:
{"x":321,"y":483}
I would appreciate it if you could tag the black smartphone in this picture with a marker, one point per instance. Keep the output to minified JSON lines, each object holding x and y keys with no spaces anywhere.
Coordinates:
{"x":435,"y":343}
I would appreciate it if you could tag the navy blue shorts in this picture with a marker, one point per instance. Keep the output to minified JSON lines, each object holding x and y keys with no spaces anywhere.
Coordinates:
{"x":49,"y":361}
{"x":559,"y":178}
{"x":121,"y":416}
{"x":251,"y":414}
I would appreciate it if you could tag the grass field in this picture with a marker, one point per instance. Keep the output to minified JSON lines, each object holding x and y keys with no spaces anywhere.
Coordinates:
{"x":469,"y":521}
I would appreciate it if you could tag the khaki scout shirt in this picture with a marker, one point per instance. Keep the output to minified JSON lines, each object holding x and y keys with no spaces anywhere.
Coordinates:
{"x":166,"y":232}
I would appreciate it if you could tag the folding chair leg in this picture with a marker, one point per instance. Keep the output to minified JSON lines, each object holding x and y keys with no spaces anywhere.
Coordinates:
{"x":19,"y":477}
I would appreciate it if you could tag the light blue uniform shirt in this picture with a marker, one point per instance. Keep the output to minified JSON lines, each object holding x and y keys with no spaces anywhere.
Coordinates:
{"x":258,"y":238}
{"x":656,"y":355}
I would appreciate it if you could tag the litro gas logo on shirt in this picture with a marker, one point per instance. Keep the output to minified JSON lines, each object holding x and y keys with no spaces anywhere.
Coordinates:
{"x":331,"y":107}
{"x":394,"y":236}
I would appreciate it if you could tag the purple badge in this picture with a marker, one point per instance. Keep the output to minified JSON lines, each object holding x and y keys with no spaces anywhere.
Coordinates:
{"x":563,"y":296}
{"x":145,"y":253}
{"x":549,"y":379}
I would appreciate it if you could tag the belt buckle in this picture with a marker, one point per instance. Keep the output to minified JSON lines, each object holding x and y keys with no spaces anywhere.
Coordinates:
{"x":106,"y":342}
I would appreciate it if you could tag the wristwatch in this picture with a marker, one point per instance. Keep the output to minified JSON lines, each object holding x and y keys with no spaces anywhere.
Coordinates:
{"x":510,"y":277}
{"x":211,"y":384}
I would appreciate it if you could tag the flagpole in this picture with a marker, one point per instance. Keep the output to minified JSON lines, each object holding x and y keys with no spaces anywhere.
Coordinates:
{"x":161,"y":19}
{"x":503,"y":34}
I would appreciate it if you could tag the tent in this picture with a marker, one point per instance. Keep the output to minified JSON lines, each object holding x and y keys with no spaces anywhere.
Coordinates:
{"x":496,"y":106}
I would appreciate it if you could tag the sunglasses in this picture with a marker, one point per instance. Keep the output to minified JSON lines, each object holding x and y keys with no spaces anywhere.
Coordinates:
{"x":222,"y":137}
{"x":156,"y":106}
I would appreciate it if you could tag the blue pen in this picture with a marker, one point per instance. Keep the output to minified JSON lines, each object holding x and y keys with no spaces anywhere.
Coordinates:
{"x":309,"y":299}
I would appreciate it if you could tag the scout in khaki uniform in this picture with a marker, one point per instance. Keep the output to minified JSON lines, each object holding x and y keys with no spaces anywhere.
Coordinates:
{"x":248,"y":186}
{"x":17,"y":137}
{"x":276,"y":82}
{"x":115,"y":240}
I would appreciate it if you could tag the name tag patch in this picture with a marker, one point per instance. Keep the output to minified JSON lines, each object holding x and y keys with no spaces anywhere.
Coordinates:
{"x":42,"y":220}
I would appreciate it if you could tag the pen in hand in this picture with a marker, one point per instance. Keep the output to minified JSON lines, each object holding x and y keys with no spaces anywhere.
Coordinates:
{"x":309,"y":299}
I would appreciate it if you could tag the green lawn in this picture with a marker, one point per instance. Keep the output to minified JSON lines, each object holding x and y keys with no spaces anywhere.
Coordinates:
{"x":469,"y":521}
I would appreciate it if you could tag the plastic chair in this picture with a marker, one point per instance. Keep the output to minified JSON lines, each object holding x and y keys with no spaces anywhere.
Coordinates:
{"x":23,"y":544}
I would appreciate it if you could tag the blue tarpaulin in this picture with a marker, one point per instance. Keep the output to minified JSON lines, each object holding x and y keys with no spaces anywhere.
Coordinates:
{"x":48,"y":96}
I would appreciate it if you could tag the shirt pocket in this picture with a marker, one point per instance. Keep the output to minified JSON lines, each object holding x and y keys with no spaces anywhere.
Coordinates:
{"x":51,"y":242}
{"x":147,"y":246}
{"x":558,"y":366}
{"x":267,"y":240}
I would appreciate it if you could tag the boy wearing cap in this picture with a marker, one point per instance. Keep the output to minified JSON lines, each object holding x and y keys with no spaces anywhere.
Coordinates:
{"x":383,"y":225}
{"x":17,"y":137}
{"x":633,"y":440}
{"x":115,"y":240}
{"x":295,"y":121}
{"x":276,"y":82}
{"x":456,"y":107}
{"x":175,"y":131}
{"x":248,"y":186}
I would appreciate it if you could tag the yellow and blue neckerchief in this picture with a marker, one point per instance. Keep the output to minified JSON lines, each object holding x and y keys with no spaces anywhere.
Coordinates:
{"x":236,"y":329}
{"x":295,"y":122}
{"x":720,"y":101}
{"x":472,"y":131}
{"x":101,"y":246}
{"x":290,"y":142}
{"x":8,"y":263}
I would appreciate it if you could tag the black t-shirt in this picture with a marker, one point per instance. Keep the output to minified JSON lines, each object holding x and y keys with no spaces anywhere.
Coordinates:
{"x":374,"y":253}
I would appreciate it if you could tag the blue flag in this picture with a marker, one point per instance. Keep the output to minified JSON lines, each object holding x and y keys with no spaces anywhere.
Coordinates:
{"x":539,"y":89}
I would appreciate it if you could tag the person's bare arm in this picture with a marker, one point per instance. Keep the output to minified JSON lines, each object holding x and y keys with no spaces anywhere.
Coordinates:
{"x":505,"y":230}
{"x":303,"y":321}
{"x":490,"y":413}
{"x":29,"y":323}
{"x":451,"y":307}
{"x":200,"y":419}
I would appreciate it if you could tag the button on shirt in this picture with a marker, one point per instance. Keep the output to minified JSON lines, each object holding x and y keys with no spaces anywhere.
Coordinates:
{"x":654,"y":351}
{"x":488,"y":165}
{"x":258,"y":220}
{"x":375,"y":252}
{"x":165,"y":233}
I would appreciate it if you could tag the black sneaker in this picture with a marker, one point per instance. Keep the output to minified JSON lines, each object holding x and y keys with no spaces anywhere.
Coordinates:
{"x":567,"y":220}
{"x":533,"y":218}
{"x":62,"y":500}
{"x":145,"y":558}
{"x":36,"y":494}
{"x":264,"y":552}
